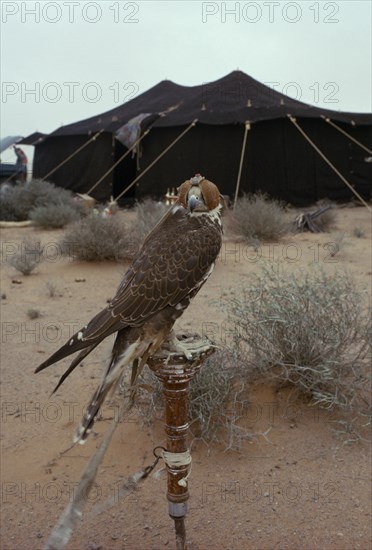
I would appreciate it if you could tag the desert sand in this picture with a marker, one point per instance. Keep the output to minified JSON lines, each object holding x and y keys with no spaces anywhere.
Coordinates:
{"x":299,"y":488}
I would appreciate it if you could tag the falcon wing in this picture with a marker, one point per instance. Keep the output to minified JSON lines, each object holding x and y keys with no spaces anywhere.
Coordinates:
{"x":173,"y":263}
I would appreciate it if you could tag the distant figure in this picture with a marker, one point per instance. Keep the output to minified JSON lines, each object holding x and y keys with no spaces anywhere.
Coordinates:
{"x":21,"y":164}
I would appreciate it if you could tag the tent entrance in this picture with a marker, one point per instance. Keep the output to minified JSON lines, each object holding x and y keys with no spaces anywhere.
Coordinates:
{"x":124,"y":173}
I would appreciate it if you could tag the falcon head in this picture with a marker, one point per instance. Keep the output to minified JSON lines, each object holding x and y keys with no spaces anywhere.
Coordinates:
{"x":199,"y":195}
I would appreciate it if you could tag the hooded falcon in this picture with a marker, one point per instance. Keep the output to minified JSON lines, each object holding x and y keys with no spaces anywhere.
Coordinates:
{"x":174,"y":262}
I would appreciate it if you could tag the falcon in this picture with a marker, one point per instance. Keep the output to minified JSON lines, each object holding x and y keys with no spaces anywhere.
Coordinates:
{"x":174,"y":262}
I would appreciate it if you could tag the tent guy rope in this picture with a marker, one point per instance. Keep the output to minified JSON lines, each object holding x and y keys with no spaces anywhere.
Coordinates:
{"x":247,"y":127}
{"x":294,"y":121}
{"x":118,"y":162}
{"x":93,"y":138}
{"x":193,"y":123}
{"x":348,"y":135}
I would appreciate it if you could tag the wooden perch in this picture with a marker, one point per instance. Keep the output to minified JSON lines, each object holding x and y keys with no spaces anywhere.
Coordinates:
{"x":175,"y":372}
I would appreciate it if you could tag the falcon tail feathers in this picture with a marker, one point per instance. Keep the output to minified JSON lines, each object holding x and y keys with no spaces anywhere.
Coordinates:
{"x":75,"y":343}
{"x":101,"y":326}
{"x":90,"y":415}
{"x":74,"y":364}
{"x":109,"y":382}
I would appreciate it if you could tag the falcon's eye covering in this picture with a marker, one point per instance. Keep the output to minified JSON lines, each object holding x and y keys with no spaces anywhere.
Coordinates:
{"x":202,"y":190}
{"x":195,"y":189}
{"x":196,"y":192}
{"x":196,"y":200}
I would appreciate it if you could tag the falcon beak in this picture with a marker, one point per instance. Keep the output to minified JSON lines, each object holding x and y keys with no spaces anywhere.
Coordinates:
{"x":196,"y":204}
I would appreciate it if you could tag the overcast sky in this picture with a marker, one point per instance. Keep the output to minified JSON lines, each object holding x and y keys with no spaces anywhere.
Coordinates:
{"x":68,"y":60}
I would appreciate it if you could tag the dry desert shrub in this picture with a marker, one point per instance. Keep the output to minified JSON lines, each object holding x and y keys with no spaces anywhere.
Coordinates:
{"x":260,"y":218}
{"x":52,"y":289}
{"x":23,"y":198}
{"x":7,"y":210}
{"x":33,"y":313}
{"x":96,"y":238}
{"x":219,"y":399}
{"x":28,"y":257}
{"x":309,"y":330}
{"x":359,"y":232}
{"x":54,"y":216}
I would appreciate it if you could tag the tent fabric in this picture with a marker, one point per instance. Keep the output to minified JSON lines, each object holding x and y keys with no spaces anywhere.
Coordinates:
{"x":130,"y":132}
{"x":277,"y":160}
{"x":156,"y":100}
{"x":33,"y":139}
{"x":234,"y":99}
{"x":79,"y":174}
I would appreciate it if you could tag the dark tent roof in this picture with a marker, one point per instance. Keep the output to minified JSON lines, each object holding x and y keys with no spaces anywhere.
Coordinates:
{"x":233,"y":99}
{"x":33,"y":139}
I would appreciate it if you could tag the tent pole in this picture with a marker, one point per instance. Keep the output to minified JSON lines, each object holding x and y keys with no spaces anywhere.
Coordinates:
{"x":118,"y":161}
{"x":72,"y":155}
{"x":348,"y":135}
{"x":294,"y":121}
{"x":247,"y":127}
{"x":156,"y":160}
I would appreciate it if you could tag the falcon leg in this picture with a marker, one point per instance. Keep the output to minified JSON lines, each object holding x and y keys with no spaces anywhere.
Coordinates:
{"x":197,"y":347}
{"x":176,"y":346}
{"x":187,"y":346}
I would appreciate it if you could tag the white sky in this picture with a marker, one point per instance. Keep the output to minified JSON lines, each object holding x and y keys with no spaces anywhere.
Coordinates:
{"x":109,"y":51}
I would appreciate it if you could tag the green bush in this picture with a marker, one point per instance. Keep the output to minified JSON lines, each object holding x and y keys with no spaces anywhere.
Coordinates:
{"x":260,"y":218}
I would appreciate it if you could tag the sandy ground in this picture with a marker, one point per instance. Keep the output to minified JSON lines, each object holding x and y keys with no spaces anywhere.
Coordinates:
{"x":299,"y":489}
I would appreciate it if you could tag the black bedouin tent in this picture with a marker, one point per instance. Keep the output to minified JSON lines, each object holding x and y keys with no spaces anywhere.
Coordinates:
{"x":235,"y":131}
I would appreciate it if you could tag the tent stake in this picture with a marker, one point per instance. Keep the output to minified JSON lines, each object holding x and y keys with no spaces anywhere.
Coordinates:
{"x":175,"y":373}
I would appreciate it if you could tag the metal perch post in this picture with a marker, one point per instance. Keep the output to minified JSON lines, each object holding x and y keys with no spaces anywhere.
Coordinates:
{"x":175,"y":371}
